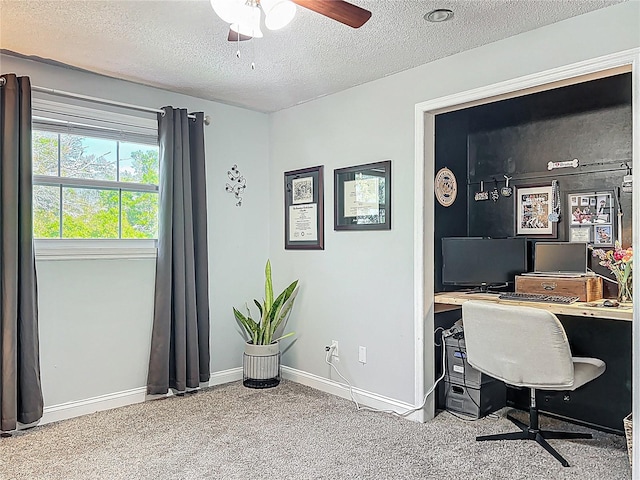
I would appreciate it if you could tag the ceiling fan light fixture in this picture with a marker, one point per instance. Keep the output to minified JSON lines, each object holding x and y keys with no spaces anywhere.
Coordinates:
{"x":278,"y":13}
{"x":247,"y":30}
{"x":248,"y":22}
{"x":227,"y":10}
{"x":439,"y":15}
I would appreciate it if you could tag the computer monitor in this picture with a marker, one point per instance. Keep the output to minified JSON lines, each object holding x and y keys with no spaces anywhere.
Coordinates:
{"x":560,"y":257}
{"x":483,"y":262}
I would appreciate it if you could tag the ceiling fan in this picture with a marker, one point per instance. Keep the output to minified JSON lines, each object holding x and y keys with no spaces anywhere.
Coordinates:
{"x":244,"y":16}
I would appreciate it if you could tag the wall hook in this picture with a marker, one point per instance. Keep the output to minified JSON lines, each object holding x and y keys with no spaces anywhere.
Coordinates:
{"x":626,"y":164}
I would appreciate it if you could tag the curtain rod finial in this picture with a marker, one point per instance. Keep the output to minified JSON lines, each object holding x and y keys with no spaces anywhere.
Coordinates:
{"x":207,"y":120}
{"x":3,"y":81}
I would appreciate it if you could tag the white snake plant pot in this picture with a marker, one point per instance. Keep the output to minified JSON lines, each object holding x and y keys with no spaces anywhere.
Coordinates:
{"x":261,"y":365}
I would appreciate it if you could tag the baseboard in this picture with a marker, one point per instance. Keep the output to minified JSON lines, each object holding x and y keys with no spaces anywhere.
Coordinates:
{"x":369,"y":399}
{"x":225,"y":376}
{"x":86,"y":406}
{"x":64,"y":411}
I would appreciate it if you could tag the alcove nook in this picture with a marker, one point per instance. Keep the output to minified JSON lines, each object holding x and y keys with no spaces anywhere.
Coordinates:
{"x":515,"y":128}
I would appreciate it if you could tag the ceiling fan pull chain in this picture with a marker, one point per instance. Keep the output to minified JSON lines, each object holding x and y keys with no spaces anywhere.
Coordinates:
{"x":253,"y":54}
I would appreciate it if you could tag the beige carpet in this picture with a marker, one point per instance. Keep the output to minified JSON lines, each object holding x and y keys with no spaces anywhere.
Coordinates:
{"x":290,"y":432}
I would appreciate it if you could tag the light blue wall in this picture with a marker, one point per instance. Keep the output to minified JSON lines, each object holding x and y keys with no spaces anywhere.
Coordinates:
{"x":359,"y":290}
{"x":96,"y":315}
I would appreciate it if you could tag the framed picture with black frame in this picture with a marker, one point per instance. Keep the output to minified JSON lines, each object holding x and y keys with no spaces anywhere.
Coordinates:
{"x":362,"y":197}
{"x":304,"y":209}
{"x":592,"y":217}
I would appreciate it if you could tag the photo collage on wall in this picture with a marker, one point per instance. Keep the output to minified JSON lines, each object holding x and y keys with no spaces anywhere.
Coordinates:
{"x":592,"y":218}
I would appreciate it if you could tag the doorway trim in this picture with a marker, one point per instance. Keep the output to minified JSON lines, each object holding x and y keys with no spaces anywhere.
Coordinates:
{"x":424,"y":222}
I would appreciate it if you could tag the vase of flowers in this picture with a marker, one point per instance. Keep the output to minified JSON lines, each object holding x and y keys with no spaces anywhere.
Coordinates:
{"x":620,"y":262}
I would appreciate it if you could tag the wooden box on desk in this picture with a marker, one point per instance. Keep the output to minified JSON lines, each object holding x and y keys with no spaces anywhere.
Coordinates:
{"x":589,"y":288}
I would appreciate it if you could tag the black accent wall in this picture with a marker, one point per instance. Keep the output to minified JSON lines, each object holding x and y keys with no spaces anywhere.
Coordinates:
{"x":592,"y":122}
{"x":517,"y":137}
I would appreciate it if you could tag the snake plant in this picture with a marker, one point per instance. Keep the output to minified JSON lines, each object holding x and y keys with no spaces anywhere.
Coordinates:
{"x":272,"y":312}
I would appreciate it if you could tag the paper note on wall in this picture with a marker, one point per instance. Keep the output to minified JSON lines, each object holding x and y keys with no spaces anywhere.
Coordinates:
{"x":303,"y":222}
{"x":361,"y":197}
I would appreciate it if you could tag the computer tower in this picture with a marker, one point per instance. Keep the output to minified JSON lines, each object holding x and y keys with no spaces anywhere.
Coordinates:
{"x":458,"y":370}
{"x":467,"y":391}
{"x":474,"y":402}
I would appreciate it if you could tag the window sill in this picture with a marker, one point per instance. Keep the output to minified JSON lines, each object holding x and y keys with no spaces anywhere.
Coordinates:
{"x":62,"y":249}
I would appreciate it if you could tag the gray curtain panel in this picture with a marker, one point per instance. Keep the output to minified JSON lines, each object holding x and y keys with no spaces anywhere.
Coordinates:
{"x":180,"y":339}
{"x":20,"y":390}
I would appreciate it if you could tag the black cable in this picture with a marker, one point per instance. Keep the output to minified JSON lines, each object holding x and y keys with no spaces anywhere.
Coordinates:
{"x":464,"y":375}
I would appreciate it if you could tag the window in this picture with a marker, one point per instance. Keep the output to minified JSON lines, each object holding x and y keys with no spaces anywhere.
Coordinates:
{"x":93,"y":181}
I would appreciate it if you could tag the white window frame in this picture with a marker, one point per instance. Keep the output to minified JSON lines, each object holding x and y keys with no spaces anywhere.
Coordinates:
{"x":124,"y":127}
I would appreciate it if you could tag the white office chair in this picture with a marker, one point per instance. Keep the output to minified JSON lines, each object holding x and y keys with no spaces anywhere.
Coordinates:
{"x":525,"y":347}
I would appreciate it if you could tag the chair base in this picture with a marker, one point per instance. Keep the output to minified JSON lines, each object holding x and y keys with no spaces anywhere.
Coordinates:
{"x":540,"y":436}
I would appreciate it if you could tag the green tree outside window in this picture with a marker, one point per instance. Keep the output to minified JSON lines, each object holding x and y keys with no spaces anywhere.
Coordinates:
{"x":93,"y":211}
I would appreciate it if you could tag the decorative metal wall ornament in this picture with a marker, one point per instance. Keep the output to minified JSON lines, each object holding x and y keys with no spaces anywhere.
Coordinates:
{"x":481,"y":195}
{"x":446,"y":187}
{"x":569,"y":163}
{"x":494,"y":194}
{"x":238,"y":184}
{"x":506,"y":191}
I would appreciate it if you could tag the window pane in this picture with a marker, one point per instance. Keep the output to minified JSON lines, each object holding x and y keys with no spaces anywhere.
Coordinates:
{"x":45,"y":153}
{"x":139,"y":215}
{"x":138,"y":163}
{"x":89,"y":213}
{"x":95,"y":210}
{"x":46,"y":211}
{"x":83,"y":157}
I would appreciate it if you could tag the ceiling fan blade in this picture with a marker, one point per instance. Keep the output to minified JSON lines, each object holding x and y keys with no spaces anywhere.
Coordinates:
{"x":237,"y":37}
{"x":339,"y":10}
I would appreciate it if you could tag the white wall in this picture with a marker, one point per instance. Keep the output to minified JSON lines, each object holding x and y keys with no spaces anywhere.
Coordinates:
{"x":359,"y":290}
{"x":96,"y":315}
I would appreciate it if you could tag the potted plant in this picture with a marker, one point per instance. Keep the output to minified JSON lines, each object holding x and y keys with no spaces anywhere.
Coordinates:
{"x":261,"y":364}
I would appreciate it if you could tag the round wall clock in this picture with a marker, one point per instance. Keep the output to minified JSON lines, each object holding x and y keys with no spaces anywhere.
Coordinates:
{"x":446,"y":187}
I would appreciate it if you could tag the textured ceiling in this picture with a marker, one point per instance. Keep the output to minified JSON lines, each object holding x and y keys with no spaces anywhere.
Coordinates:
{"x":182,"y":45}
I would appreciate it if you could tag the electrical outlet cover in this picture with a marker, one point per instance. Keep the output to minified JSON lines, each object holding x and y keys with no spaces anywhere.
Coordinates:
{"x":362,"y":354}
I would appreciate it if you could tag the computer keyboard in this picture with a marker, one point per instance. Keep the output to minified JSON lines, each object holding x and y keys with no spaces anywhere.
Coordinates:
{"x":537,"y":297}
